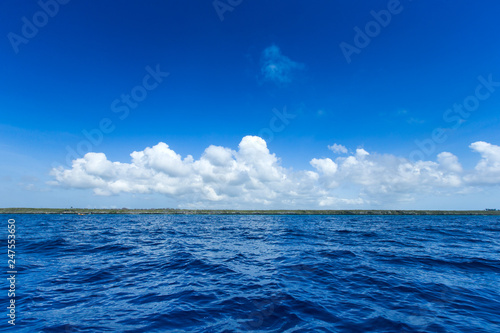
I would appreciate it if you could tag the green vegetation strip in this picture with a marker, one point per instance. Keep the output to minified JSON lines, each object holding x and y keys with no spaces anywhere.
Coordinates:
{"x":83,"y":211}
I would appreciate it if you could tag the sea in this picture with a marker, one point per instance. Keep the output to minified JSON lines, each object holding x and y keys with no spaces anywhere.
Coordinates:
{"x":255,"y":273}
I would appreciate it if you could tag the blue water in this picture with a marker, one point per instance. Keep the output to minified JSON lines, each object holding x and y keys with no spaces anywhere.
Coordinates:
{"x":160,"y":273}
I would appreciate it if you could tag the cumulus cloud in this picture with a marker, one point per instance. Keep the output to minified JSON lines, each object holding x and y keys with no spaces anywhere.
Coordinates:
{"x":383,"y":178}
{"x":253,"y":177}
{"x":487,"y":171}
{"x":276,"y":67}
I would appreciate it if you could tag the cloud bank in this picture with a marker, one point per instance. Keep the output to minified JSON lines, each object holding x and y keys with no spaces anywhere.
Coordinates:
{"x":252,"y":177}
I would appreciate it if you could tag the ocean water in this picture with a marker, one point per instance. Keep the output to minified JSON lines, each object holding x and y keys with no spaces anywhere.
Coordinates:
{"x":161,"y":273}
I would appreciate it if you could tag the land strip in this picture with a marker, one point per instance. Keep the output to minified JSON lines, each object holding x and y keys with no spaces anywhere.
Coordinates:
{"x":171,"y":211}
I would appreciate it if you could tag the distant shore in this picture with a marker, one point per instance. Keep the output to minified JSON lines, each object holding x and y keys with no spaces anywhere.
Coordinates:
{"x":168,"y":211}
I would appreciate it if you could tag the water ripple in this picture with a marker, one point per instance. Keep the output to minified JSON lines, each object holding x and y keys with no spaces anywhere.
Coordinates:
{"x":158,"y":273}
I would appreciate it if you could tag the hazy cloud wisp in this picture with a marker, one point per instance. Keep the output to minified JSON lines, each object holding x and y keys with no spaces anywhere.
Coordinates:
{"x":276,"y":67}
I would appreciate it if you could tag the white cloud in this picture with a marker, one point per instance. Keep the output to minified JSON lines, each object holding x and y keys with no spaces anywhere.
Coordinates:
{"x":386,"y":177}
{"x":449,"y":162}
{"x":277,"y":68}
{"x":338,"y":149}
{"x":487,"y":171}
{"x":252,"y":177}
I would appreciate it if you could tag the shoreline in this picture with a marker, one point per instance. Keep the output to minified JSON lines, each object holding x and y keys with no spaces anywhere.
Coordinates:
{"x":168,"y":211}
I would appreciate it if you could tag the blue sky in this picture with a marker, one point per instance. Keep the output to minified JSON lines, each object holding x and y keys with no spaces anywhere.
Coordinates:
{"x":284,"y":71}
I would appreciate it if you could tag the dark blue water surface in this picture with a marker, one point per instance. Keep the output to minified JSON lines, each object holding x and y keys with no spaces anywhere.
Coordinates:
{"x":161,"y":273}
